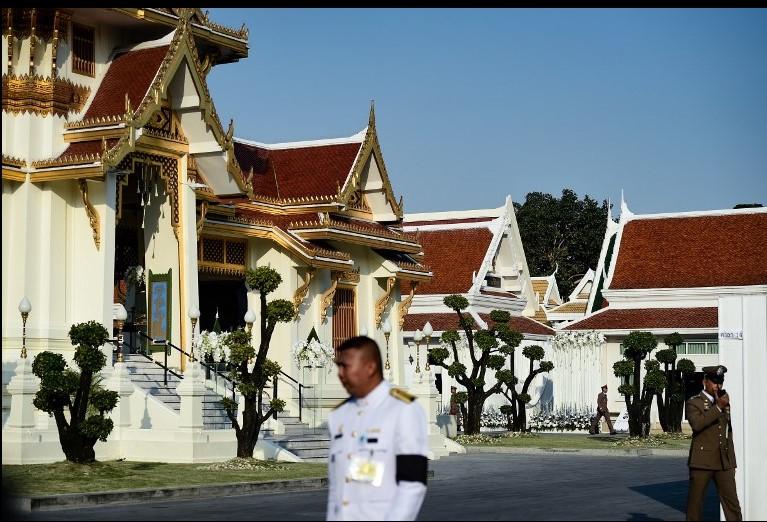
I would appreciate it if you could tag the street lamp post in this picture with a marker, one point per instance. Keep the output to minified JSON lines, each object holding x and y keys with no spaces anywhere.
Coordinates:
{"x":194,"y":314}
{"x":24,"y":307}
{"x":386,"y":329}
{"x":427,"y":331}
{"x":120,"y":317}
{"x":417,"y":337}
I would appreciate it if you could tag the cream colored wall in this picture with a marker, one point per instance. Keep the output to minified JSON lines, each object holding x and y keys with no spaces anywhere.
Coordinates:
{"x":161,"y":254}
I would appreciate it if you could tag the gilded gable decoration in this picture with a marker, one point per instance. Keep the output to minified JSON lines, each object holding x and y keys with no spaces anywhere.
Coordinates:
{"x":327,"y":297}
{"x":93,"y":215}
{"x":301,"y":292}
{"x":167,"y":169}
{"x":404,"y":306}
{"x":384,"y":300}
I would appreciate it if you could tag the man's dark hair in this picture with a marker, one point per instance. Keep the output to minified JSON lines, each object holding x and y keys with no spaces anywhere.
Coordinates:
{"x":362,"y":342}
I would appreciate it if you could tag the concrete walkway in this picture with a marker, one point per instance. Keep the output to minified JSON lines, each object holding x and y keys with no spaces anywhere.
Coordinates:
{"x":477,"y":486}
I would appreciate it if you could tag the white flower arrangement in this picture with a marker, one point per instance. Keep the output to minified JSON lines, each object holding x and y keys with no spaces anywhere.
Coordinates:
{"x":212,"y":345}
{"x":563,"y":420}
{"x":577,"y":340}
{"x":134,"y":275}
{"x":312,"y":353}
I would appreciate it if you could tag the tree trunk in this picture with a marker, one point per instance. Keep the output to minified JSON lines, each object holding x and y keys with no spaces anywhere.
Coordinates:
{"x":247,"y":435}
{"x":521,"y":416}
{"x":663,"y":412}
{"x":473,"y":423}
{"x":76,"y":447}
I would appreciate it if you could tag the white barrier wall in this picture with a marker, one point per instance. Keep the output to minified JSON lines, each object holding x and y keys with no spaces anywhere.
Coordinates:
{"x":743,"y":350}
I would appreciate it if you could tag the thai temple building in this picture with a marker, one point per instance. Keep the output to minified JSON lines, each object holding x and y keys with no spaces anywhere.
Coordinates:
{"x":477,"y":254}
{"x":116,"y":168}
{"x":666,"y":273}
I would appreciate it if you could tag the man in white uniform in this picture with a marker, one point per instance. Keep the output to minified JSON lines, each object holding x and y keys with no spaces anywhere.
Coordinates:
{"x":377,"y":464}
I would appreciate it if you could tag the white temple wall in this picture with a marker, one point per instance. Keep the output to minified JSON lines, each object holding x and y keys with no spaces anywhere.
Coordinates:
{"x":742,"y":342}
{"x":162,"y":254}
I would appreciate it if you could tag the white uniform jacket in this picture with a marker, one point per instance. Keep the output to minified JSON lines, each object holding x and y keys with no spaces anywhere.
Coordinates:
{"x":384,"y":435}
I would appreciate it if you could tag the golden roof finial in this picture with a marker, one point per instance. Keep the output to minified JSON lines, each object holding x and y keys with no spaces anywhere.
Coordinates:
{"x":372,"y":116}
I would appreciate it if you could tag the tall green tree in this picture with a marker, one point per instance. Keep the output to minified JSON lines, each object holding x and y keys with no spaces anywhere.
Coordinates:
{"x":562,"y":233}
{"x":85,"y":400}
{"x":638,"y":394}
{"x":487,"y":349}
{"x":251,"y":382}
{"x":670,"y":400}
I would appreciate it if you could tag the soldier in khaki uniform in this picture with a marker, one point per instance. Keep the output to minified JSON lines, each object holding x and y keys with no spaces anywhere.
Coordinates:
{"x":712,"y":454}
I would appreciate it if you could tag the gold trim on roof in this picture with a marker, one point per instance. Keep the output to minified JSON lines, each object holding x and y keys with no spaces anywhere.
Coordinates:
{"x":42,"y":95}
{"x":13,"y":161}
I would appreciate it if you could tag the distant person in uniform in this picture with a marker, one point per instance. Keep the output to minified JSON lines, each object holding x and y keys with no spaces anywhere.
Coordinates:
{"x":602,"y":411}
{"x":712,"y":454}
{"x":378,"y":442}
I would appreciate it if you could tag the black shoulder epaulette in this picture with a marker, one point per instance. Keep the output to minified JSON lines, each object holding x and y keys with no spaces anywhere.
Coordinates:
{"x":342,"y":402}
{"x":402,"y":395}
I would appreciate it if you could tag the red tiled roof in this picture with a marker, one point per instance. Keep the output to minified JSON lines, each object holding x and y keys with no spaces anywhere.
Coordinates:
{"x":297,"y":172}
{"x":453,"y":255}
{"x":449,"y":321}
{"x":641,"y":318}
{"x":449,"y":221}
{"x":689,"y":252}
{"x":132,"y":73}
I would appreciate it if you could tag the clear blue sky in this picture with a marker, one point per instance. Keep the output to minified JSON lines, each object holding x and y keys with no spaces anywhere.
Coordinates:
{"x":668,"y":105}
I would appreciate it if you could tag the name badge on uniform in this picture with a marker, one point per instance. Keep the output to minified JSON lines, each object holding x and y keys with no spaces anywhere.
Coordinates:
{"x":366,"y":470}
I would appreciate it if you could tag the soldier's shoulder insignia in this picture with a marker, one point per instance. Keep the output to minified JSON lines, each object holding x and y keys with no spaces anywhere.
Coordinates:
{"x":402,"y":395}
{"x":341,"y":403}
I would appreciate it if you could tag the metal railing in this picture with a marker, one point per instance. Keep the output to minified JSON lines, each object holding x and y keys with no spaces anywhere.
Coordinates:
{"x":300,"y":393}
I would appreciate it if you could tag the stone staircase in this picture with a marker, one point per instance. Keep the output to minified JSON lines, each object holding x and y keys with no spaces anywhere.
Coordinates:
{"x":309,"y":444}
{"x":148,"y":376}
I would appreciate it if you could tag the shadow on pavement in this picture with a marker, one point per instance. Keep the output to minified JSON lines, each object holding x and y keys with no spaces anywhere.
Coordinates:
{"x":674,"y":494}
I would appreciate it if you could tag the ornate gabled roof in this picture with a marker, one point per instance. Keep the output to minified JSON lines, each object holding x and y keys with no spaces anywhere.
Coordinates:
{"x":571,"y":307}
{"x":403,"y":261}
{"x":455,"y":256}
{"x":648,"y":318}
{"x":690,"y":251}
{"x":449,"y":321}
{"x":284,"y":172}
{"x":129,"y":74}
{"x":81,"y":152}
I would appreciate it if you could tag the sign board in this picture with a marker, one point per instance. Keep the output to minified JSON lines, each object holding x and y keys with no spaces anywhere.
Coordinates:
{"x":731,"y":334}
{"x":160,"y":300}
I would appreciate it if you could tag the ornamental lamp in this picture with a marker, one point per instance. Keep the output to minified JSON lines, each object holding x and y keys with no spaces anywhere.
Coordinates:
{"x":194,"y":314}
{"x":418,"y":337}
{"x":427,"y":331}
{"x":250,"y":318}
{"x":121,"y":314}
{"x":24,"y":308}
{"x":386,"y":329}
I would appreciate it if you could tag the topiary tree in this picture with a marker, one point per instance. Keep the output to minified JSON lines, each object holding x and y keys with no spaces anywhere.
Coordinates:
{"x":251,"y":382}
{"x":86,"y":401}
{"x":518,"y":400}
{"x":671,"y":400}
{"x":487,"y":350}
{"x":637,"y":346}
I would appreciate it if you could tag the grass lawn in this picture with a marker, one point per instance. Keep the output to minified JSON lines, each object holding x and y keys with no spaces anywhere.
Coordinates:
{"x":573,"y":441}
{"x":65,"y":477}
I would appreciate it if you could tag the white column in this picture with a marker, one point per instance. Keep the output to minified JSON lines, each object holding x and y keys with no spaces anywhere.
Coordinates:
{"x":424,"y":388}
{"x":742,"y":341}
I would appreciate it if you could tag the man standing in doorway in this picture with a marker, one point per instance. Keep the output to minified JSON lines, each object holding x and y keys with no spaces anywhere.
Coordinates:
{"x":378,"y":445}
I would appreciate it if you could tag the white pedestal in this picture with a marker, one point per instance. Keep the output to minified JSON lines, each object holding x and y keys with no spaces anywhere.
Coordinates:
{"x":191,"y":389}
{"x":426,"y":391}
{"x":23,"y":441}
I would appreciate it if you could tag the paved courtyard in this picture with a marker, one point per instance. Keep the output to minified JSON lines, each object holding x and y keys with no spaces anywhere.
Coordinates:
{"x":472,"y":487}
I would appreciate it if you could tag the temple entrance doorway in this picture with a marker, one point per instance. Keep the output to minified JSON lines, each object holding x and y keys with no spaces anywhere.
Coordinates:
{"x":225,"y":295}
